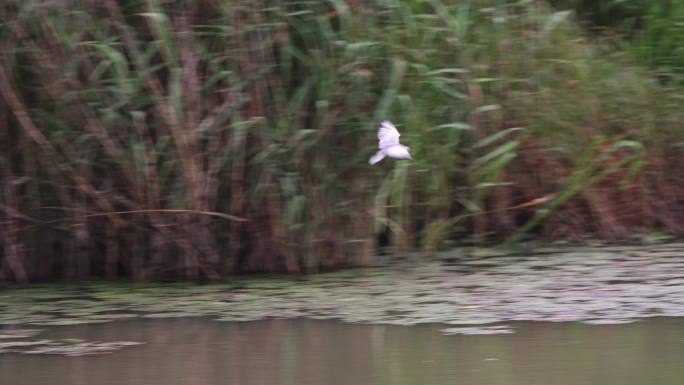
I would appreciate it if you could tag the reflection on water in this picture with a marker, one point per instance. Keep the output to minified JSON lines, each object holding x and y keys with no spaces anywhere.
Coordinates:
{"x":302,"y":352}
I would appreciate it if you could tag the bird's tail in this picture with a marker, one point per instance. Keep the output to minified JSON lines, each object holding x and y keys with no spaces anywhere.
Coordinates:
{"x":377,"y":157}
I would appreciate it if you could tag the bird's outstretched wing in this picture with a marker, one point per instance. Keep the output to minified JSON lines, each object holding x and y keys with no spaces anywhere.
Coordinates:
{"x":387,"y":135}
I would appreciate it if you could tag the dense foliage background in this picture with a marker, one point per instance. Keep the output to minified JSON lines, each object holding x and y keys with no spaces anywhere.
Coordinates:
{"x":194,"y":139}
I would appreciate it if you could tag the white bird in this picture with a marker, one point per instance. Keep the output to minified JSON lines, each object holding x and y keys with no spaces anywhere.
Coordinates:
{"x":389,"y":145}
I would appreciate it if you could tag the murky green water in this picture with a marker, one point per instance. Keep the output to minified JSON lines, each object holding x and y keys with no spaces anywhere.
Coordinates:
{"x":197,"y":351}
{"x":291,"y":329}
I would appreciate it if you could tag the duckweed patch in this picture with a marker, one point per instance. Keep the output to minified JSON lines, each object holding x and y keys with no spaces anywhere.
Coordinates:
{"x":596,"y":286}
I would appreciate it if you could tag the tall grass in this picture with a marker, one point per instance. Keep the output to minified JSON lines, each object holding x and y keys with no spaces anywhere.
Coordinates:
{"x":651,"y":30}
{"x":192,"y":140}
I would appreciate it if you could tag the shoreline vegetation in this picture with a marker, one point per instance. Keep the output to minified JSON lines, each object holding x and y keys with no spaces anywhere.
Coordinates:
{"x":155,"y":140}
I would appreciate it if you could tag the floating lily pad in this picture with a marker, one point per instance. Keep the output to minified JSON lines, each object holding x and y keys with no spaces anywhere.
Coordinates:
{"x":17,"y":344}
{"x":170,"y":315}
{"x":485,"y":330}
{"x":71,"y":348}
{"x":18,"y":333}
{"x":608,"y":321}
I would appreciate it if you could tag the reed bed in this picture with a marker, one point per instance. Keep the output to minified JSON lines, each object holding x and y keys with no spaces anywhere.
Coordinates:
{"x":192,"y":140}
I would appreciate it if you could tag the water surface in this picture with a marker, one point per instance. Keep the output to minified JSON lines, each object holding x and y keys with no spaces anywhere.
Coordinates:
{"x":196,"y":351}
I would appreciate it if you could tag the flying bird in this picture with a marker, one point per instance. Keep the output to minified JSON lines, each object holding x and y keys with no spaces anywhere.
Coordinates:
{"x":389,"y":145}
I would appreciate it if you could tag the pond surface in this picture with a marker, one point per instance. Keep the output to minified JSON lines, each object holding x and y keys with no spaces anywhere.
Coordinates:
{"x":610,"y":315}
{"x":197,"y":351}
